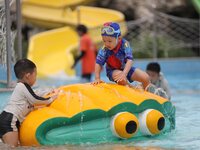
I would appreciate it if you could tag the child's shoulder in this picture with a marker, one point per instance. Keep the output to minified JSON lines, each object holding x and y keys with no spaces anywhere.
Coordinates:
{"x":22,"y":86}
{"x":125,"y":43}
{"x":103,"y":51}
{"x":19,"y":86}
{"x":18,"y":90}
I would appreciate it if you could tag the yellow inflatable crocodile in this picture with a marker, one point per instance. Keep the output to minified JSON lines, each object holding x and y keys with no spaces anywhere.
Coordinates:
{"x":97,"y":114}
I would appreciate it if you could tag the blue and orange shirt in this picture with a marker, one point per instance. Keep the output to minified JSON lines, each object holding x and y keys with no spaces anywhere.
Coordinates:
{"x":115,"y":59}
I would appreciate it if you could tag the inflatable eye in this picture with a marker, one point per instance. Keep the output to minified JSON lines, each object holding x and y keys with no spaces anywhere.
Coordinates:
{"x":124,"y":125}
{"x":151,"y":122}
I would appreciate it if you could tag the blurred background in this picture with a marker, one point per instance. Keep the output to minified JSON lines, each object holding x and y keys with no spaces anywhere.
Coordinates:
{"x":155,"y":29}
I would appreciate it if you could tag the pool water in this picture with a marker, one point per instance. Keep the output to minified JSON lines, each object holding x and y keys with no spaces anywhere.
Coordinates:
{"x":183,"y":76}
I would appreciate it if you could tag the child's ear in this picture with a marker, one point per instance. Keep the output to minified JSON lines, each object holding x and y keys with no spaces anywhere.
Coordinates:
{"x":27,"y":75}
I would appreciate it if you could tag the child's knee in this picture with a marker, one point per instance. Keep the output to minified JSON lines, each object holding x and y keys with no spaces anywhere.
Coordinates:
{"x":146,"y":80}
{"x":11,"y":138}
{"x":123,"y":82}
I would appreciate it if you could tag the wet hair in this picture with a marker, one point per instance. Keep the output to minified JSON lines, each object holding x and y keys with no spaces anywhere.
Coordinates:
{"x":82,"y":28}
{"x":154,"y":66}
{"x":22,"y":67}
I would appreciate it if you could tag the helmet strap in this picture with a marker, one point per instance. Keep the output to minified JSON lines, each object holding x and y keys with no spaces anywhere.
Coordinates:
{"x":117,"y":39}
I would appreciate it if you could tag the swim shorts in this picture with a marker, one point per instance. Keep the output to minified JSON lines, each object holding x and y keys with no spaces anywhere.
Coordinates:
{"x":8,"y":123}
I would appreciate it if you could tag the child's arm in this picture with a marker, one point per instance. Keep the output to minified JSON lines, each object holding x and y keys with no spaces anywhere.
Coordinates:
{"x":128,"y":66}
{"x":35,"y":99}
{"x":166,"y":88}
{"x":43,"y":91}
{"x":129,"y":57}
{"x":100,"y":61}
{"x":97,"y":74}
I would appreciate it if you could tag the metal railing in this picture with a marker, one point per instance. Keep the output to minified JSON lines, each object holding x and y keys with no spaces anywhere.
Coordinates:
{"x":7,"y":36}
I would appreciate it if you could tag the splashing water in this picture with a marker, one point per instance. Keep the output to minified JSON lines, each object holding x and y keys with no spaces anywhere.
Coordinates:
{"x":82,"y":114}
{"x":68,"y":98}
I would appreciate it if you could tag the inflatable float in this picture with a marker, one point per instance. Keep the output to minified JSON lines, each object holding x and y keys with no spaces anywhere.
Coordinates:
{"x":103,"y":113}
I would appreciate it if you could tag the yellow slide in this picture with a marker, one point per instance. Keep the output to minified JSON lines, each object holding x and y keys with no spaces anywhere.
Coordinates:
{"x":53,"y":3}
{"x":52,"y":50}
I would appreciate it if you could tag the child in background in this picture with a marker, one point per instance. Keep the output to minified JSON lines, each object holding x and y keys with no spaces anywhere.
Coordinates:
{"x":88,"y":53}
{"x":117,"y":54}
{"x":21,"y":102}
{"x":157,"y":78}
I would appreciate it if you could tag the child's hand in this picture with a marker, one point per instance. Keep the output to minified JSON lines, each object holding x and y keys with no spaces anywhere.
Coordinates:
{"x":54,"y":94}
{"x":55,"y":91}
{"x":120,"y":77}
{"x":97,"y":81}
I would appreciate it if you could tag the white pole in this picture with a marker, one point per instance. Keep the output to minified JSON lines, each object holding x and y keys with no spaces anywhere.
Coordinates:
{"x":19,"y":26}
{"x":8,"y":42}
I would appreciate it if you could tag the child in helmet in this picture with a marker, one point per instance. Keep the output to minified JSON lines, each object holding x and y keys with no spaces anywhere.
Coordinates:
{"x":117,"y":54}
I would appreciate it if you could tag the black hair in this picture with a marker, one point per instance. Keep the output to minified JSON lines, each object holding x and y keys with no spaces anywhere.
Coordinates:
{"x":23,"y":66}
{"x":153,"y":66}
{"x":82,"y":28}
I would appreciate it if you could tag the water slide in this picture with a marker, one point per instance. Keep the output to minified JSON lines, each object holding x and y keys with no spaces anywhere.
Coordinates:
{"x":57,"y":3}
{"x":52,"y":50}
